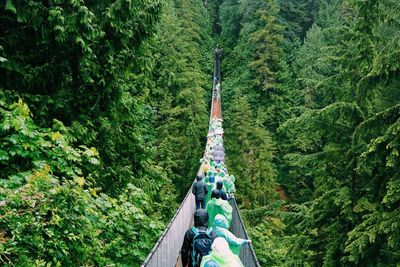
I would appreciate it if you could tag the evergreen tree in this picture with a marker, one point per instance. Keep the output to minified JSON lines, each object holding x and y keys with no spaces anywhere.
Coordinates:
{"x":266,"y":42}
{"x":180,"y":91}
{"x":117,"y":94}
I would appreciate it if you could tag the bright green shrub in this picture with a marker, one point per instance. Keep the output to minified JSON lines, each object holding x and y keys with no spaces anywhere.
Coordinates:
{"x":49,"y":214}
{"x":26,"y":149}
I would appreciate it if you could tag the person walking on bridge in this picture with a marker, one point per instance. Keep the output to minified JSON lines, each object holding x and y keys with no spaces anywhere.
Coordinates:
{"x":220,"y":184}
{"x":218,"y":206}
{"x":197,"y":241}
{"x":200,"y":191}
{"x":222,"y":255}
{"x":221,"y":228}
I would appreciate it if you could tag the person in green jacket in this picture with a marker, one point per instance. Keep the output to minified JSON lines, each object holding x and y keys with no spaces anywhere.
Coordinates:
{"x":222,"y":255}
{"x":220,"y":227}
{"x":218,"y":206}
{"x":210,"y":186}
{"x":229,"y":184}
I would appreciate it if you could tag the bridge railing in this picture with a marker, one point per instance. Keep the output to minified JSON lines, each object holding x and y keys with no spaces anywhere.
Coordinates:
{"x":247,"y":254}
{"x":167,"y":249}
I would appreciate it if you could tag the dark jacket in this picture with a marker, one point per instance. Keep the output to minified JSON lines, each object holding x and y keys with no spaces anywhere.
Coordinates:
{"x":223,"y":194}
{"x":200,"y":222}
{"x":199,"y":190}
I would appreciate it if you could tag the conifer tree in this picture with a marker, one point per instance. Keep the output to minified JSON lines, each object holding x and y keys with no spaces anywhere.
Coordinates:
{"x":266,"y":42}
{"x":180,"y":90}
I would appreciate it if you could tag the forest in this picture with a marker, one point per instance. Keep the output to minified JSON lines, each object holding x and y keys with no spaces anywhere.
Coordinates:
{"x":104,"y":110}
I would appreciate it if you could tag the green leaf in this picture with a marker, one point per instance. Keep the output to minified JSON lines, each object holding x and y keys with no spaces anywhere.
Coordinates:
{"x":10,"y":7}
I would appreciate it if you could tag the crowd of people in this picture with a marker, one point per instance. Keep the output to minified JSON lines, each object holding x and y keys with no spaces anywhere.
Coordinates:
{"x":210,"y":243}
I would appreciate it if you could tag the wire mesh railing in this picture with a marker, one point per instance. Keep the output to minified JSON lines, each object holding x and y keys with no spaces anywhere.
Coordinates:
{"x":167,"y":249}
{"x":247,"y":254}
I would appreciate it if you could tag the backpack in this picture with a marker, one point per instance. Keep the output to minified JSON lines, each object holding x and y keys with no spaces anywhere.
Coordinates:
{"x":201,"y":245}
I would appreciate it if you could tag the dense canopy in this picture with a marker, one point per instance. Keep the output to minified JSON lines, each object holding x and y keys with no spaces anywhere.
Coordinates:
{"x":104,"y":113}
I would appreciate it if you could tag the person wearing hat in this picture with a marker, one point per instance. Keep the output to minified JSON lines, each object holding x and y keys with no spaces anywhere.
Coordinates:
{"x":200,"y":224}
{"x":211,"y":263}
{"x":218,"y":206}
{"x":222,"y":255}
{"x":221,"y":228}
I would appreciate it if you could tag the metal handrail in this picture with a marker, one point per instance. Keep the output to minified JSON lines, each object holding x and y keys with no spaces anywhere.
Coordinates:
{"x":148,"y":259}
{"x":247,"y":254}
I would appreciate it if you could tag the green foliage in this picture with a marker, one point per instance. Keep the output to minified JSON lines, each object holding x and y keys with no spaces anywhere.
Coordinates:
{"x":371,"y":53}
{"x":378,"y":184}
{"x":321,"y":82}
{"x":337,"y":158}
{"x":254,"y":71}
{"x":25,"y":149}
{"x":50,"y":214}
{"x":265,"y":236}
{"x":297,"y":16}
{"x":266,"y":42}
{"x":316,"y":141}
{"x":213,"y":7}
{"x":331,"y":109}
{"x":83,"y":64}
{"x":249,"y":155}
{"x":45,"y":222}
{"x":119,"y":76}
{"x":179,"y":94}
{"x":118,"y":93}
